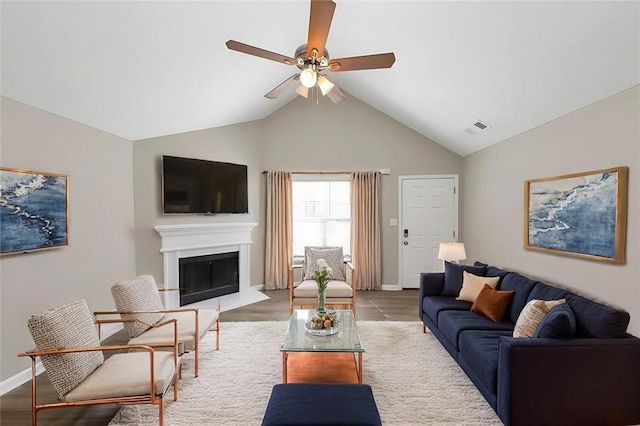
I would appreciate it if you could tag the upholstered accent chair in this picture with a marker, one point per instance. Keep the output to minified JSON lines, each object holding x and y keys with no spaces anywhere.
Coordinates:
{"x":67,"y":342}
{"x":139,"y":304}
{"x":341,"y":288}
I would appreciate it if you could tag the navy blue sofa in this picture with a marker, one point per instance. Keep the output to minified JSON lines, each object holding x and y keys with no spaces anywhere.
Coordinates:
{"x":591,"y":378}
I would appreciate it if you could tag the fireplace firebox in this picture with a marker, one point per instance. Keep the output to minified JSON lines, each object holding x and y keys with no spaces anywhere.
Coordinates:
{"x":205,"y":277}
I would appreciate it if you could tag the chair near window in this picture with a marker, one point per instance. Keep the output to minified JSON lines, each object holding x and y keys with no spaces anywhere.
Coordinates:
{"x":341,"y":288}
{"x":67,"y":342}
{"x":139,"y":305}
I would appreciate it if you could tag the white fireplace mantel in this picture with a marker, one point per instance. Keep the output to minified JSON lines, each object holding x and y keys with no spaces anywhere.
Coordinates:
{"x":202,"y":235}
{"x":190,"y":240}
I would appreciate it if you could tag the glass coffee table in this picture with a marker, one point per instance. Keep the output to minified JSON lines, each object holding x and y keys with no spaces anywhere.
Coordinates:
{"x":344,"y":339}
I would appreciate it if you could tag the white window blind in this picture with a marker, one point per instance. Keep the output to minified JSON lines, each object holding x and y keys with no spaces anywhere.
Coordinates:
{"x":321,"y":212}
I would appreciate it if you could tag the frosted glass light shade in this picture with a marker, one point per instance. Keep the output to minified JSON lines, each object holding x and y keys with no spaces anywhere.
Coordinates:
{"x":325,"y":84}
{"x":452,"y":252}
{"x":302,"y":91}
{"x":308,"y":77}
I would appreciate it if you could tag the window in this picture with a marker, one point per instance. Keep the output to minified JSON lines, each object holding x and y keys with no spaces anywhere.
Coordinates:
{"x":321,"y":212}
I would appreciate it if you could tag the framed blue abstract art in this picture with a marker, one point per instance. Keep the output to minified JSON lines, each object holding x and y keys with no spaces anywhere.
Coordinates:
{"x":582,"y":214}
{"x":34,"y":211}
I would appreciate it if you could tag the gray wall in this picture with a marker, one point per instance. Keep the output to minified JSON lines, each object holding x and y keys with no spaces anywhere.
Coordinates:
{"x":101,"y":222}
{"x":238,"y":143}
{"x":353,"y":136}
{"x":602,"y":135}
{"x":301,"y":136}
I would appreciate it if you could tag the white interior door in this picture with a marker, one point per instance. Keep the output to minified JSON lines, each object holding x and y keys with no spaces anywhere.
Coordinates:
{"x":429,"y":216}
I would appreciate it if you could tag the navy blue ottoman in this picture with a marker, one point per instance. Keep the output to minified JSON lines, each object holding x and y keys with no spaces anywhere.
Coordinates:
{"x":296,"y":404}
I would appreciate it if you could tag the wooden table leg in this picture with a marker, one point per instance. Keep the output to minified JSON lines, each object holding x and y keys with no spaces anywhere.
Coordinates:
{"x":359,"y":367}
{"x":284,"y":367}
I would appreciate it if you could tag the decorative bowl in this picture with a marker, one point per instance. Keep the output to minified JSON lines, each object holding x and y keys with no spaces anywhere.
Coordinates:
{"x":324,"y":331}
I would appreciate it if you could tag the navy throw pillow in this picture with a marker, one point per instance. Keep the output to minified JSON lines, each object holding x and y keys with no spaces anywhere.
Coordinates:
{"x":560,"y":322}
{"x":453,"y":277}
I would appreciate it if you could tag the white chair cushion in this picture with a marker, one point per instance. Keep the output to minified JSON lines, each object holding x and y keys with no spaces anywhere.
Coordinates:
{"x":126,"y":374}
{"x":186,"y":329}
{"x":309,"y":289}
{"x":69,"y":326}
{"x":138,"y":294}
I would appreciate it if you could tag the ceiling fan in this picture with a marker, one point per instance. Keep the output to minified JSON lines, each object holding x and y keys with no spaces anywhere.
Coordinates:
{"x":313,"y":58}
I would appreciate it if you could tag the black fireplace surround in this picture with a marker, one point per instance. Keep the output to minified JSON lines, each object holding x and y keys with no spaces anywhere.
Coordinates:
{"x":205,"y":277}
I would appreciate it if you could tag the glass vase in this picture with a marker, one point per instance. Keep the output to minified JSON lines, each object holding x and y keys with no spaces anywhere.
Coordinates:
{"x":322,"y":299}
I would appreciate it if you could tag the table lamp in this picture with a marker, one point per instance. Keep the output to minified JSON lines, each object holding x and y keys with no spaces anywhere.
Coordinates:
{"x":452,"y":252}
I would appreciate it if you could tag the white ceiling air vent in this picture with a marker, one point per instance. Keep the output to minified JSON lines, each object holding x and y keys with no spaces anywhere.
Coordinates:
{"x":477,"y":127}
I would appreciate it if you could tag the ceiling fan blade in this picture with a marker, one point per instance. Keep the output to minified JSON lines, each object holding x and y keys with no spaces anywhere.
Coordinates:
{"x":283,"y":87}
{"x":261,"y":53}
{"x":319,"y":23}
{"x":336,"y":95}
{"x":368,"y":62}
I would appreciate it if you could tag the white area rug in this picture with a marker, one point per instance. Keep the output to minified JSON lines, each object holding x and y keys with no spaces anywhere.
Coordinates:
{"x":414,"y":380}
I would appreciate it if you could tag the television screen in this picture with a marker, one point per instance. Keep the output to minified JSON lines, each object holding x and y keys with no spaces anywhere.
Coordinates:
{"x":201,"y":186}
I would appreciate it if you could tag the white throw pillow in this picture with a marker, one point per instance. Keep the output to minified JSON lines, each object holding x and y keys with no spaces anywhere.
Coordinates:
{"x":472,"y":284}
{"x":334,"y":258}
{"x":532,"y":314}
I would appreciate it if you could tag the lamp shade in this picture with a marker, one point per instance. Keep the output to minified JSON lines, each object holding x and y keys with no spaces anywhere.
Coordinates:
{"x":452,"y":252}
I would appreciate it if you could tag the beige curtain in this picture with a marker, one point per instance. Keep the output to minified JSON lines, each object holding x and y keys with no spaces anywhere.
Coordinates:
{"x":365,"y":229}
{"x":279,"y":235}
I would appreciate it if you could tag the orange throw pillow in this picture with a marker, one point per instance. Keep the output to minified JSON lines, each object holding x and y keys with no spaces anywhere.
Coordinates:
{"x":492,"y":303}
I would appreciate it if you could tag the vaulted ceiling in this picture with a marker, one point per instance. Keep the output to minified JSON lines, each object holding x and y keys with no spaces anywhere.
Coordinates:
{"x":142,"y":69}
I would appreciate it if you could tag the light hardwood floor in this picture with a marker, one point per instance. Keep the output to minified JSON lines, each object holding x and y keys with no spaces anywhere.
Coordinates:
{"x":15,"y":406}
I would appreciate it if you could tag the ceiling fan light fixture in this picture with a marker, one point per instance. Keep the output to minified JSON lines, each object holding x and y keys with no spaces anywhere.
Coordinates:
{"x":302,"y":91}
{"x":325,"y":84}
{"x":308,"y":77}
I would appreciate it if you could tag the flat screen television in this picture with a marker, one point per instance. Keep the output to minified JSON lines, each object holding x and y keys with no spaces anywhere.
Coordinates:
{"x":201,"y":186}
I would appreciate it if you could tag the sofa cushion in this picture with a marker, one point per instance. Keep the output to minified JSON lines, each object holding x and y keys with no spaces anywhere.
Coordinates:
{"x":532,"y":315}
{"x":69,"y":326}
{"x":453,"y":277}
{"x":558,"y":323}
{"x":544,"y":291}
{"x":522,"y":287}
{"x":492,"y":303}
{"x":452,"y":323}
{"x":433,"y":305}
{"x":492,"y":271}
{"x":479,"y":350}
{"x":594,"y":319}
{"x":472,"y":285}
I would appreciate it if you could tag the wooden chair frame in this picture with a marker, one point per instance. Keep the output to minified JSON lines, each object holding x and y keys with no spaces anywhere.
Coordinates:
{"x":307,"y":303}
{"x":196,"y":344}
{"x":152,"y":397}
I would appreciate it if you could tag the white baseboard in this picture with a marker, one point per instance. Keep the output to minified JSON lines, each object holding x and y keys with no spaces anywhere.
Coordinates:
{"x":390,"y":287}
{"x":24,"y":376}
